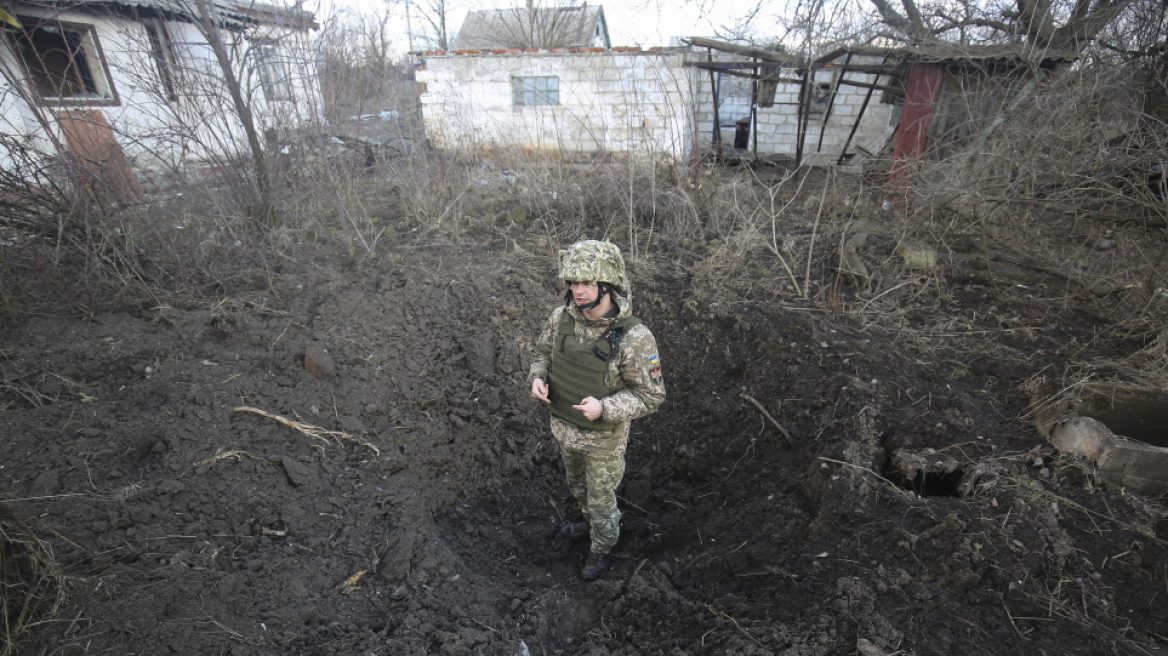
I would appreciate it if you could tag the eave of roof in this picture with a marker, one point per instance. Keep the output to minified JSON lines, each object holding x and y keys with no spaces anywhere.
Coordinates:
{"x":944,"y":53}
{"x":229,"y":14}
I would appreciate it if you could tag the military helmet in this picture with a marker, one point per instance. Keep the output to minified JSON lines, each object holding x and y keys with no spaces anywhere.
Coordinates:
{"x":593,"y":260}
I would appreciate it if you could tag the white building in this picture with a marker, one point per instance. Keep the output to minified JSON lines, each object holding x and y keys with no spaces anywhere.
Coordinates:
{"x":133,"y":86}
{"x":656,"y":101}
{"x":578,"y":99}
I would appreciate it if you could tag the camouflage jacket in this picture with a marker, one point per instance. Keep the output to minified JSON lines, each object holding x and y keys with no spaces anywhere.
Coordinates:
{"x":638,"y":367}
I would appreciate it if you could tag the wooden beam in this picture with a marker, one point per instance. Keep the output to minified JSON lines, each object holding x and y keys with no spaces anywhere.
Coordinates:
{"x":720,"y":66}
{"x":868,"y":85}
{"x":878,"y":69}
{"x":790,"y":80}
{"x":749,"y":51}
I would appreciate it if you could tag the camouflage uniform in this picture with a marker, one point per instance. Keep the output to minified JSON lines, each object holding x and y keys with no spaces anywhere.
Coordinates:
{"x":594,"y":460}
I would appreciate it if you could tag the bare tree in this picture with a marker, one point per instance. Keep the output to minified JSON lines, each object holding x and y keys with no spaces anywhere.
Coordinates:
{"x":432,"y":15}
{"x":208,"y":25}
{"x":1063,"y":25}
{"x":359,"y":68}
{"x":1140,"y":39}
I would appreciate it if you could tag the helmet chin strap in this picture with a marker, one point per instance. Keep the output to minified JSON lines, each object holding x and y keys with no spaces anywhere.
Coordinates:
{"x":603,"y":289}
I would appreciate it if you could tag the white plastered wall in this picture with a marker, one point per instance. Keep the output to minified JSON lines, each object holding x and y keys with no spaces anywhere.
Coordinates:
{"x":609,"y":102}
{"x":156,"y":132}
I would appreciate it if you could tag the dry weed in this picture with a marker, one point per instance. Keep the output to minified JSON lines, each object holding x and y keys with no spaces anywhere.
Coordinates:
{"x":31,"y":583}
{"x":314,"y":432}
{"x":229,"y":454}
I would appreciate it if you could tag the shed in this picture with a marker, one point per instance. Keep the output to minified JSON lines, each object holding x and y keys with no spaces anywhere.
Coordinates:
{"x":940,"y":114}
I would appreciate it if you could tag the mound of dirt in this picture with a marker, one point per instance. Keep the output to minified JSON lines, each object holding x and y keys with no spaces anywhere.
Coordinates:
{"x":347,"y":462}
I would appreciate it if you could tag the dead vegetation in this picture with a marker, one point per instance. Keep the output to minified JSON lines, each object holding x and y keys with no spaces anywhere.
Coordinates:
{"x":32,"y":588}
{"x":315,"y":432}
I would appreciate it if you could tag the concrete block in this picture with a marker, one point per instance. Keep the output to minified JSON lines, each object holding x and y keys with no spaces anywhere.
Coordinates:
{"x":610,"y":73}
{"x":1138,"y":466}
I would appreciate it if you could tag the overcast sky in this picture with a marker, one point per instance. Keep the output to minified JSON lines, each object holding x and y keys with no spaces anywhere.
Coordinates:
{"x":643,"y":23}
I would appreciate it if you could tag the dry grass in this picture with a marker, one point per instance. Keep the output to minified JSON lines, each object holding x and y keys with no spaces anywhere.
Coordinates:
{"x":315,"y":432}
{"x":31,"y":584}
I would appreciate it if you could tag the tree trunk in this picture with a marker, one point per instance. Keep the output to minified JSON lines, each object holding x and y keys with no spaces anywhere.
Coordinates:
{"x":263,"y":206}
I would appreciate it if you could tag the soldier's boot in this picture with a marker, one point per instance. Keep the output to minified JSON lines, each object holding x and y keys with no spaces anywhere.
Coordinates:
{"x":595,"y":567}
{"x":575,"y":531}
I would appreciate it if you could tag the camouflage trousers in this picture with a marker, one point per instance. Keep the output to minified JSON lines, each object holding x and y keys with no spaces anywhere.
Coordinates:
{"x":593,"y":479}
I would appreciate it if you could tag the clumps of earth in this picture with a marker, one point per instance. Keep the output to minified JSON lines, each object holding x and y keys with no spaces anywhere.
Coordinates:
{"x":345,"y":460}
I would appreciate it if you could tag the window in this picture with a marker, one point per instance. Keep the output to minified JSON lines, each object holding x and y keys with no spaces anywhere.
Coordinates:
{"x":536,"y":90}
{"x":820,"y":97}
{"x":64,"y":62}
{"x":821,"y":91}
{"x":162,"y":50}
{"x":735,"y":95}
{"x":275,"y":76}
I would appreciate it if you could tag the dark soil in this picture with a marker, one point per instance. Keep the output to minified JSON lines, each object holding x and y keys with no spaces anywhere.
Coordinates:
{"x":917,"y":511}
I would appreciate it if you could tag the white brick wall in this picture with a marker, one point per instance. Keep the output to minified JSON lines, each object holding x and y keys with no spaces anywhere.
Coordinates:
{"x":608,"y":101}
{"x":626,"y":101}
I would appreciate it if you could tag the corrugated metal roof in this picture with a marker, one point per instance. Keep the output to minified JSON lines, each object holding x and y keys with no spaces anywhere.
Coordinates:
{"x":230,"y":14}
{"x":534,"y":27}
{"x":1004,"y":54}
{"x":278,"y":15}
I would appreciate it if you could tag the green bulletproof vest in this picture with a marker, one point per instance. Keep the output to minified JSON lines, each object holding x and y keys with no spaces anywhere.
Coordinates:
{"x":578,"y":370}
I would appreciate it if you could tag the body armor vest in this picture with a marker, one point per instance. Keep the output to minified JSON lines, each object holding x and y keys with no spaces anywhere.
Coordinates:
{"x":577,"y":370}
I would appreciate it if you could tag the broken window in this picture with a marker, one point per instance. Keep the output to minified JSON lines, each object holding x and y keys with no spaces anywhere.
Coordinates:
{"x":64,"y":62}
{"x":821,"y":91}
{"x":543,"y":90}
{"x":162,"y":50}
{"x":275,"y":75}
{"x":820,"y":97}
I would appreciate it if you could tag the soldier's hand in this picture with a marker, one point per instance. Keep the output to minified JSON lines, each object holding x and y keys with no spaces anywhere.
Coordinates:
{"x":591,"y":407}
{"x":539,"y":390}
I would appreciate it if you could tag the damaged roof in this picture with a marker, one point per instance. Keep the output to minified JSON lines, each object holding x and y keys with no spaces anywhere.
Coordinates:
{"x":534,"y":27}
{"x":990,"y":56}
{"x":230,"y":14}
{"x":1011,"y":55}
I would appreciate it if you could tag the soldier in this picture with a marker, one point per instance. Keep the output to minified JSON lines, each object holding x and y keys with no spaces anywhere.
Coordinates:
{"x":597,"y":368}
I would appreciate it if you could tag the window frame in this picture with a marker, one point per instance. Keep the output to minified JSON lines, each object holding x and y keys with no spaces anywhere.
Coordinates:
{"x":524,"y":87}
{"x":822,"y":94}
{"x":164,"y":54}
{"x":95,"y":77}
{"x":822,"y":91}
{"x":274,"y":71}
